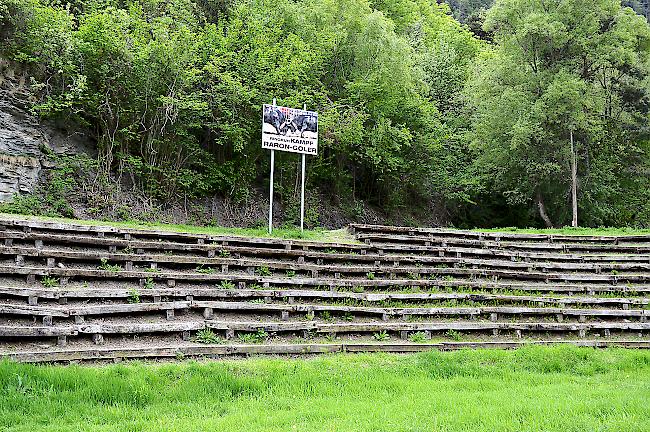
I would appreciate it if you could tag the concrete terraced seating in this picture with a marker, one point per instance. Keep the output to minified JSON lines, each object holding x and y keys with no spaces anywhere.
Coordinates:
{"x":72,"y":292}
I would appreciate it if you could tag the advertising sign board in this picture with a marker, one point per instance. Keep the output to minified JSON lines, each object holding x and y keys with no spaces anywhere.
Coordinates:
{"x":289,"y":129}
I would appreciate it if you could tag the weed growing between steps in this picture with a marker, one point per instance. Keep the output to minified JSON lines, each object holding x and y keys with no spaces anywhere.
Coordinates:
{"x":534,"y":388}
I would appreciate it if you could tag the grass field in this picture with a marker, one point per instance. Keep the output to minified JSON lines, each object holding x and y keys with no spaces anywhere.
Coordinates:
{"x":532,"y":389}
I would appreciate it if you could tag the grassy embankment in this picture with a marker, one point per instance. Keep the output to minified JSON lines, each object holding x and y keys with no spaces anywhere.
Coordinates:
{"x":532,"y":389}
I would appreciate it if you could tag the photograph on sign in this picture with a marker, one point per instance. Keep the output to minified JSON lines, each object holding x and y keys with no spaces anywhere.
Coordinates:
{"x":289,"y":129}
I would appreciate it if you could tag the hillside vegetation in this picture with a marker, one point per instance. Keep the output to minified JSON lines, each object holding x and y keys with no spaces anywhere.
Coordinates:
{"x":416,"y":111}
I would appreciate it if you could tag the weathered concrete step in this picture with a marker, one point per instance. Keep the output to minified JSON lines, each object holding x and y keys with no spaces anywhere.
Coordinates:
{"x":180,"y":351}
{"x":209,"y":306}
{"x":498,"y":236}
{"x":99,"y":330}
{"x":88,"y":294}
{"x":342,"y":264}
{"x":343,"y":272}
{"x":146,"y":234}
{"x":379,"y":240}
{"x":466,"y":326}
{"x":80,"y":312}
{"x":494,"y":312}
{"x":63,"y":276}
{"x":353,"y":253}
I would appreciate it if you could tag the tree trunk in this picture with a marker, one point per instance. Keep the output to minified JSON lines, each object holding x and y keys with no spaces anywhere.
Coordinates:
{"x":542,"y":211}
{"x":574,"y":185}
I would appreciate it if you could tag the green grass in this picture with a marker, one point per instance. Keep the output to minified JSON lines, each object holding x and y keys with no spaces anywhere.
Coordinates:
{"x":318,"y":234}
{"x":531,"y":389}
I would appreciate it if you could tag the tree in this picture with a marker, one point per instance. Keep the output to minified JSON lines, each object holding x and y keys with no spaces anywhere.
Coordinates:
{"x":561,"y":69}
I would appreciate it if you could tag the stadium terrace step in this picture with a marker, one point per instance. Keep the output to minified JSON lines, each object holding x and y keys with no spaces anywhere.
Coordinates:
{"x":499,"y":236}
{"x":80,"y":312}
{"x":567,"y":283}
{"x":64,"y":276}
{"x":112,"y":288}
{"x":341,"y":263}
{"x":380,"y":241}
{"x":176,"y":351}
{"x":354,"y":253}
{"x":29,"y":310}
{"x":9,"y":226}
{"x":404,"y":327}
{"x":225,"y":265}
{"x":291,"y":296}
{"x":406,"y":312}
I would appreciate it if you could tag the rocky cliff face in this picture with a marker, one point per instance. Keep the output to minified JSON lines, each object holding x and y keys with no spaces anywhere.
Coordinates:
{"x":21,"y":139}
{"x":24,"y":145}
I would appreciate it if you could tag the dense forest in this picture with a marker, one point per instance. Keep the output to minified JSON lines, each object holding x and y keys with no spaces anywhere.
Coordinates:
{"x":491,"y":114}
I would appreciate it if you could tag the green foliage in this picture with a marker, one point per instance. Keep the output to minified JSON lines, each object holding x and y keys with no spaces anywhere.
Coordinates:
{"x":228,"y":285}
{"x":381,"y":336}
{"x":104,"y":265}
{"x":418,"y":337}
{"x":205,"y":270}
{"x":326,"y":316}
{"x":49,"y":282}
{"x":134,"y":296}
{"x":54,"y":196}
{"x":22,"y":204}
{"x":263,"y":271}
{"x":207,"y":336}
{"x":257,"y":337}
{"x":579,"y":66}
{"x":174,"y":89}
{"x":414,"y":110}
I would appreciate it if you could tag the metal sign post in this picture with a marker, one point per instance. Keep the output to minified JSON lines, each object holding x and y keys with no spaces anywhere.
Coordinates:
{"x":302,"y":190}
{"x":271,"y":187}
{"x":290,"y":130}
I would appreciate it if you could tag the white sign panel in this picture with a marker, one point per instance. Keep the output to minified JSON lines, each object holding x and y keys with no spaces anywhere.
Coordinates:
{"x":289,"y":129}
